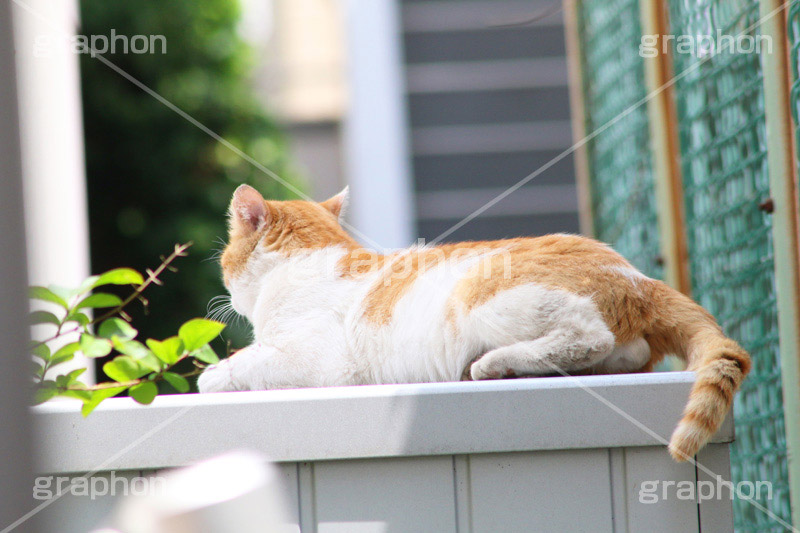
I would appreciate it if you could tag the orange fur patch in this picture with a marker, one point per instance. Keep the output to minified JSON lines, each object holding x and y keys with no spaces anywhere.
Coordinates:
{"x":404,"y":268}
{"x":292,"y":226}
{"x":567,"y":262}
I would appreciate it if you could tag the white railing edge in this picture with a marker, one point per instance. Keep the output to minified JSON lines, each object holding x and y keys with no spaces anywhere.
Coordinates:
{"x":368,"y":421}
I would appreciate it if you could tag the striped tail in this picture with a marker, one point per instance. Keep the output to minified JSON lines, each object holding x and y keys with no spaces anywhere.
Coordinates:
{"x":719,"y":363}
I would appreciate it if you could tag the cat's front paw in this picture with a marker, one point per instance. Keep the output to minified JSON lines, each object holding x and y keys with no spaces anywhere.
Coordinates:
{"x":216,"y":378}
{"x":490,"y":367}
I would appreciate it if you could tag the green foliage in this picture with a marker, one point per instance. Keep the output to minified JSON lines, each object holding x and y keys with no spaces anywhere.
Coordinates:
{"x":135,"y":367}
{"x":154,"y":178}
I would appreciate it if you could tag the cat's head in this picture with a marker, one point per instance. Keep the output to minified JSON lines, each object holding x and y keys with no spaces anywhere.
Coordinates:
{"x":264,"y":231}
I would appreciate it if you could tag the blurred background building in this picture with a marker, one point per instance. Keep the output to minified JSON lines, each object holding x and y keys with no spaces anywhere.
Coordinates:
{"x":484,"y":93}
{"x":486,"y":90}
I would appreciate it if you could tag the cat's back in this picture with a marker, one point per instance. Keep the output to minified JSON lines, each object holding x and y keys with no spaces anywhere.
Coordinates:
{"x":474,"y":271}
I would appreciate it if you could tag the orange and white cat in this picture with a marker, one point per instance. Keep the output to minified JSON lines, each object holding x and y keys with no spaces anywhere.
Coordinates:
{"x":325,"y":311}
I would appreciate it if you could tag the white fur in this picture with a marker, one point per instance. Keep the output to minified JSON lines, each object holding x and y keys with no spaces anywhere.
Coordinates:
{"x":310,"y":330}
{"x":633,"y":275}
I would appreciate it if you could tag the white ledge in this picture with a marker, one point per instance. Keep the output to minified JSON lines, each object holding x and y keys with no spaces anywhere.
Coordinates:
{"x":367,"y":421}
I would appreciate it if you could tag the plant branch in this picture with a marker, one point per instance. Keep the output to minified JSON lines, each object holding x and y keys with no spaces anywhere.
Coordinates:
{"x":179,"y":251}
{"x":128,"y":384}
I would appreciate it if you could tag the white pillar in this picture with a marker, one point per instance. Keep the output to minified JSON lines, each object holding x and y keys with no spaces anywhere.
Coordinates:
{"x":375,"y":129}
{"x":15,"y":439}
{"x":51,"y":126}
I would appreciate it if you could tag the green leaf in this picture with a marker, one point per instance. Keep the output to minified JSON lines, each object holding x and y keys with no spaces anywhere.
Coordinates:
{"x":66,"y":380}
{"x":124,"y":368}
{"x":119,"y":276}
{"x":99,"y":300}
{"x":62,"y":292}
{"x":198,"y":332}
{"x":45,"y":294}
{"x":37,"y":369}
{"x":83,"y":395}
{"x":91,"y":346}
{"x":61,"y":359}
{"x":67,"y":349}
{"x":168,"y":350}
{"x":45,"y":391}
{"x":144,"y":393}
{"x":178,"y":382}
{"x":43,"y":317}
{"x":87,"y":285}
{"x":98,"y":396}
{"x":116,"y":327}
{"x":138,"y":351}
{"x":206,"y":355}
{"x":76,"y":316}
{"x":73,"y":376}
{"x":42,"y":351}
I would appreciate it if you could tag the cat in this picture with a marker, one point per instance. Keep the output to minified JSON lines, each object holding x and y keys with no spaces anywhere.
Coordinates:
{"x":326,"y":312}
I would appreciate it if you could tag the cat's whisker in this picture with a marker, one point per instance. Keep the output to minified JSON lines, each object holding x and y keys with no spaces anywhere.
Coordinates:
{"x":221,"y":242}
{"x":211,"y":311}
{"x":220,"y":313}
{"x":218,"y":306}
{"x":220,"y":297}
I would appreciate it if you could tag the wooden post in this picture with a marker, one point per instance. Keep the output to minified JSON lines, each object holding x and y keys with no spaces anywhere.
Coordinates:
{"x":578,"y":114}
{"x":663,"y":124}
{"x":782,"y":161}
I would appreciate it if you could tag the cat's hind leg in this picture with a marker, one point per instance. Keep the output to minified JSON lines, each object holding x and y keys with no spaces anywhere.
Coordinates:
{"x":562,"y":350}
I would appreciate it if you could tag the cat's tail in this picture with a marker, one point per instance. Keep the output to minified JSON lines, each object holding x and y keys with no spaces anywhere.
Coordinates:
{"x":720,"y":364}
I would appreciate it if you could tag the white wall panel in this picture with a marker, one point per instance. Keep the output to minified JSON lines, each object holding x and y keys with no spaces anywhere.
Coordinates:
{"x":541,"y":491}
{"x":290,"y":482}
{"x":716,"y":515}
{"x":76,"y":512}
{"x":391,"y":495}
{"x":653,"y":464}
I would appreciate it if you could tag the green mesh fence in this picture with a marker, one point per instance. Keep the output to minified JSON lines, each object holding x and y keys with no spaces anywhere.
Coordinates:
{"x":723,"y":150}
{"x":623,"y":195}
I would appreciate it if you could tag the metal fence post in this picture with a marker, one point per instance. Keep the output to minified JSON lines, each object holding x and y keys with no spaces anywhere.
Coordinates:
{"x":665,"y":148}
{"x":578,"y":114}
{"x":784,"y":194}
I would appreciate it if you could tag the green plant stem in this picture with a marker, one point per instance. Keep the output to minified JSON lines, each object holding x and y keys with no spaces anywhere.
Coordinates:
{"x":179,"y":251}
{"x":46,"y":365}
{"x":128,"y":384}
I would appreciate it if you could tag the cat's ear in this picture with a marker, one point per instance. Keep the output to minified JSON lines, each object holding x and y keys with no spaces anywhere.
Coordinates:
{"x":248,"y":211}
{"x":338,"y":204}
